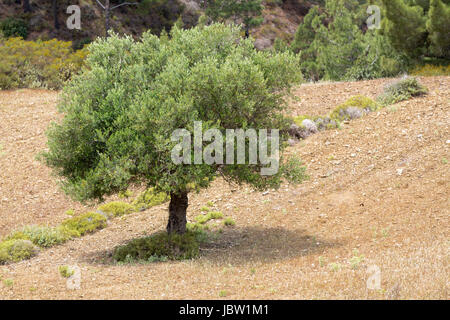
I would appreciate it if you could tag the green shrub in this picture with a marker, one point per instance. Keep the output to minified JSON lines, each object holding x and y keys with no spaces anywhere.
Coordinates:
{"x":229,"y":222}
{"x":16,"y":250}
{"x":173,"y":247}
{"x":85,"y":223}
{"x":401,"y":90}
{"x":345,"y":111}
{"x":202,"y":219}
{"x":294,"y":170}
{"x":65,"y":271}
{"x":298,"y":120}
{"x":149,"y":198}
{"x":125,"y":194}
{"x":42,"y":236}
{"x":13,"y":27}
{"x":33,"y":64}
{"x":117,"y":208}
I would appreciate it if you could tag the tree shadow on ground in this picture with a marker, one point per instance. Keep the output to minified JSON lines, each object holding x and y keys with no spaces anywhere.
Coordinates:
{"x":259,"y":244}
{"x":240,"y":246}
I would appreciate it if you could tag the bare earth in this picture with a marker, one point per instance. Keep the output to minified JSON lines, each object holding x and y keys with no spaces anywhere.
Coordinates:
{"x":380,"y":185}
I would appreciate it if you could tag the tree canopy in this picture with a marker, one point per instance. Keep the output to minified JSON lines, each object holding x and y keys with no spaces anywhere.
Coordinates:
{"x":120,"y":113}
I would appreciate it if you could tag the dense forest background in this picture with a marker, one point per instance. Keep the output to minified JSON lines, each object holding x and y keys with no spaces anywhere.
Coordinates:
{"x":332,"y":37}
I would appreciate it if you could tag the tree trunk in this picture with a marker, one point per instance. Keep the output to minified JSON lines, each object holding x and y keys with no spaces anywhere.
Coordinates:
{"x":107,"y":12}
{"x":177,"y":213}
{"x":55,"y":13}
{"x":26,"y":6}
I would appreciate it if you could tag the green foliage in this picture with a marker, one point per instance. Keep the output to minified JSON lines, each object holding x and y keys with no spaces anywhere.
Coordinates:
{"x":401,"y":90}
{"x":85,"y":223}
{"x":125,"y":194}
{"x":205,"y":209}
{"x":149,"y":198}
{"x":418,"y":27}
{"x":405,"y":22}
{"x":16,"y":250}
{"x":438,"y":26}
{"x":70,"y":212}
{"x":116,"y":208}
{"x":247,"y":11}
{"x":202,"y":219}
{"x":13,"y":27}
{"x":229,"y":222}
{"x":306,"y":42}
{"x":65,"y":271}
{"x":173,"y":247}
{"x":160,"y":15}
{"x":42,"y":236}
{"x":294,"y":171}
{"x":33,"y":64}
{"x":361,"y":102}
{"x":333,"y":45}
{"x":8,"y":282}
{"x":121,"y":111}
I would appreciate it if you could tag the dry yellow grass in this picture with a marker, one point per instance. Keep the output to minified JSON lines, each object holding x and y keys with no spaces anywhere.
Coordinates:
{"x":378,"y":196}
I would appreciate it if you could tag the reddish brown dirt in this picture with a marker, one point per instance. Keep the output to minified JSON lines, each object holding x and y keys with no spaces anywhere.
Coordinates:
{"x":379,"y":185}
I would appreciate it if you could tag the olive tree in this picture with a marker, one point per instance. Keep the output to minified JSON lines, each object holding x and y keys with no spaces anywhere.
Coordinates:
{"x":121,"y":112}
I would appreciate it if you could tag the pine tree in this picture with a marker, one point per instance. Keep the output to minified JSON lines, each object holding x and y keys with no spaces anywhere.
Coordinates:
{"x":405,"y":27}
{"x":438,"y":26}
{"x":246,"y":11}
{"x":304,"y":43}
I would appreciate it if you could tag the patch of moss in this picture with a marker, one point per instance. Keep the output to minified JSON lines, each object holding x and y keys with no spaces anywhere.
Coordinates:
{"x":117,"y":208}
{"x":150,"y":198}
{"x":172,"y":247}
{"x":85,"y":223}
{"x":16,"y":250}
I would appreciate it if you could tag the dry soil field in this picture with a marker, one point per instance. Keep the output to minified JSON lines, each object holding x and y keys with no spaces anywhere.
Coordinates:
{"x":377,"y":199}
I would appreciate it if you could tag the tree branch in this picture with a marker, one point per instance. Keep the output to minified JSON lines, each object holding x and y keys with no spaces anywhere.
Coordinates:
{"x":123,"y":4}
{"x":101,"y":5}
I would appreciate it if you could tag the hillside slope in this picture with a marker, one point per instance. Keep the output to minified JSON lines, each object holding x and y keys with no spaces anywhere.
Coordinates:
{"x":280,"y":20}
{"x":378,"y":188}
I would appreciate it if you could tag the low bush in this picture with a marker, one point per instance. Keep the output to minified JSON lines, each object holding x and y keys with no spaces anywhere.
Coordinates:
{"x":85,"y":223}
{"x":65,"y":271}
{"x":16,"y":250}
{"x":38,"y":64}
{"x":294,"y":170}
{"x":13,"y":27}
{"x":42,"y":236}
{"x":117,"y":208}
{"x":353,"y":108}
{"x":401,"y":90}
{"x":202,"y":219}
{"x":229,"y":222}
{"x":172,"y":247}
